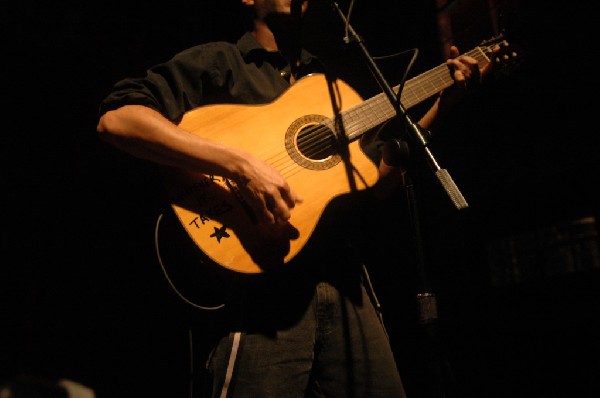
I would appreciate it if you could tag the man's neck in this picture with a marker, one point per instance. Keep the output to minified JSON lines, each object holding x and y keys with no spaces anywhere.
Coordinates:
{"x":265,"y":36}
{"x":282,"y":39}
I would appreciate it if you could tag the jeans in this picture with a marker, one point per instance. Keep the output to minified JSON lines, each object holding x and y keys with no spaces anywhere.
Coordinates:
{"x":320,"y":339}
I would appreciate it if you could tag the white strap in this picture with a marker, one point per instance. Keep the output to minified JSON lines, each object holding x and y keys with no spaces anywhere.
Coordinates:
{"x":234,"y":350}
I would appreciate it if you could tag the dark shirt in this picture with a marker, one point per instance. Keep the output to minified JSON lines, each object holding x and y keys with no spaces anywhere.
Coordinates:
{"x":210,"y":73}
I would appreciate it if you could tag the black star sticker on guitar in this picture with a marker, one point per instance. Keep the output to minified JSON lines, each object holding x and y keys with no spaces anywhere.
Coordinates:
{"x":220,"y":233}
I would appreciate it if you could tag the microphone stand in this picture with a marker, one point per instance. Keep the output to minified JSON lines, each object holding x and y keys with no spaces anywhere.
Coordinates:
{"x":415,"y":132}
{"x":426,"y":300}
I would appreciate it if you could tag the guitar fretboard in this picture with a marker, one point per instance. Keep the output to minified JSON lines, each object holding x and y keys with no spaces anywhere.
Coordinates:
{"x":378,"y":109}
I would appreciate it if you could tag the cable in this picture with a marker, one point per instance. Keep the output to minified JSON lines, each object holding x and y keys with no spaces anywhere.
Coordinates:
{"x":162,"y":266}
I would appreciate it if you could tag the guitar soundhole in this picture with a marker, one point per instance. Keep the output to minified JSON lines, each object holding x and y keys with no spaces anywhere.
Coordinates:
{"x":316,"y":142}
{"x":311,"y":144}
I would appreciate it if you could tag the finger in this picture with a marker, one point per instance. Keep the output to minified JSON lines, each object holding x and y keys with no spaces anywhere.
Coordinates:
{"x":458,"y":70}
{"x":280,"y":207}
{"x":474,"y":72}
{"x":279,"y":210}
{"x":263,"y":209}
{"x":290,"y":197}
{"x":277,"y":206}
{"x":468,"y":60}
{"x":454,"y":52}
{"x":258,"y":204}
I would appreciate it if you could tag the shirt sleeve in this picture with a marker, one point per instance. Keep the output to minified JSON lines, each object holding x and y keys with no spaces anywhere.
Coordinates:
{"x":171,"y":88}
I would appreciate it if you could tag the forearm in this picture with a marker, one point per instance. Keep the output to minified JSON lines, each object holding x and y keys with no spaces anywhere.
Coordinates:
{"x":146,"y":134}
{"x":429,"y":120}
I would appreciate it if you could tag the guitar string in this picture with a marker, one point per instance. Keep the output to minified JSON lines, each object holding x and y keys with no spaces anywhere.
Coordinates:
{"x":318,"y":139}
{"x":316,"y":142}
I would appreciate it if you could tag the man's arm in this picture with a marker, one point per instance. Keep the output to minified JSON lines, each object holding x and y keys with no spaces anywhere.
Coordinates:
{"x":146,"y":134}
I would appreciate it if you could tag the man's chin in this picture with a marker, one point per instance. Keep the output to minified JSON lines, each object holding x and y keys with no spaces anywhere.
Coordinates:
{"x":283,"y":22}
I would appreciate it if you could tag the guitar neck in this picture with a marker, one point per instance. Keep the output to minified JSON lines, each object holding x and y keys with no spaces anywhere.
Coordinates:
{"x":378,"y":109}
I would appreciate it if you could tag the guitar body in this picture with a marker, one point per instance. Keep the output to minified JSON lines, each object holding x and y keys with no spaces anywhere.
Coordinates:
{"x":310,"y":134}
{"x":283,"y":133}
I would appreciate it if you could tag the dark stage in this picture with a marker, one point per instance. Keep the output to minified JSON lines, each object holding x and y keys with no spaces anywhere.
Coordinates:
{"x":516,"y":275}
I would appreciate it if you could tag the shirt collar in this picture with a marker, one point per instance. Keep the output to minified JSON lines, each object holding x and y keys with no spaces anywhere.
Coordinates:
{"x":252,"y":50}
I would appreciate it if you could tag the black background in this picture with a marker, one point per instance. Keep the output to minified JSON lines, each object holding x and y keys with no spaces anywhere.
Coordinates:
{"x":83,"y":298}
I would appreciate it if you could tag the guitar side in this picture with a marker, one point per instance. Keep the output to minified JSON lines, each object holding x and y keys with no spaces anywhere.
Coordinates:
{"x":215,"y":215}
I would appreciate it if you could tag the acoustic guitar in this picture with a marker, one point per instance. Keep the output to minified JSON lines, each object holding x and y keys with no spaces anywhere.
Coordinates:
{"x":310,"y":134}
